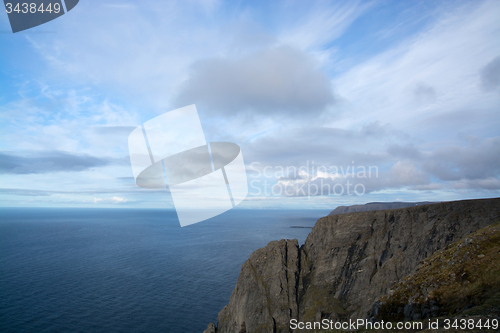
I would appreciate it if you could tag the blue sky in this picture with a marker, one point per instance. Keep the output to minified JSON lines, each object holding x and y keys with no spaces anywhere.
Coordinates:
{"x":409,"y":88}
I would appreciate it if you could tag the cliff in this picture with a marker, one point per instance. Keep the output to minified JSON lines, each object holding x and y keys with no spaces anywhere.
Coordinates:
{"x":375,"y":206}
{"x":346,"y":264}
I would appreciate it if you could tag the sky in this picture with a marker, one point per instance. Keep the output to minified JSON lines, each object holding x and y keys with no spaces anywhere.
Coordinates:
{"x":332,"y":102}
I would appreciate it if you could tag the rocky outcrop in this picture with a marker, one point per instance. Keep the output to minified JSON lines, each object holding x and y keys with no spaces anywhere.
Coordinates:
{"x":210,"y":329}
{"x":376,"y":206}
{"x":347,"y":262}
{"x":265,"y":296}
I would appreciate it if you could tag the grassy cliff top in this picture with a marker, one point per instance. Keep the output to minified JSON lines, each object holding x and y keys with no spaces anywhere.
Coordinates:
{"x":463,"y":278}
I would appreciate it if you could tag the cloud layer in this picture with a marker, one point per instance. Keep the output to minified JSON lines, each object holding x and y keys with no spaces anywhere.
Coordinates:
{"x":411,"y":89}
{"x":278,"y":80}
{"x":54,"y":161}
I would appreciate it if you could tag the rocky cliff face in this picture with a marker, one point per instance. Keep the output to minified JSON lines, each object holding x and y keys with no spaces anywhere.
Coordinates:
{"x":347,"y":262}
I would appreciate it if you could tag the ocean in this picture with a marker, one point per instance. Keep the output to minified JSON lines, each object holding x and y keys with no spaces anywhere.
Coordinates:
{"x":127,"y":270}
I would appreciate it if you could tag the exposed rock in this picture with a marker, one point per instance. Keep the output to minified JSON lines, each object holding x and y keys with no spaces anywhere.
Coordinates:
{"x":210,"y":329}
{"x":347,"y":262}
{"x":265,"y":296}
{"x":376,"y":206}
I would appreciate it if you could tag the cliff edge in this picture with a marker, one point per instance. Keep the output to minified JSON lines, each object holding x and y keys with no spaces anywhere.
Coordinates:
{"x":346,"y":264}
{"x":376,"y":206}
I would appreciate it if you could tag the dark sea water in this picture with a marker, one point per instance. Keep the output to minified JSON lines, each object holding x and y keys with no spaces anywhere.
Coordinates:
{"x":124,"y":270}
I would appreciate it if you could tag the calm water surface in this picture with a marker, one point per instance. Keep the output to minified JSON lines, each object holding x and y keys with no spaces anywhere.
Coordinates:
{"x":124,"y":270}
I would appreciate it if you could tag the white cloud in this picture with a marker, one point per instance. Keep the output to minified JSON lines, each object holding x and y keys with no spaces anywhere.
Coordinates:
{"x":312,"y":25}
{"x":115,"y":200}
{"x":445,"y":61}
